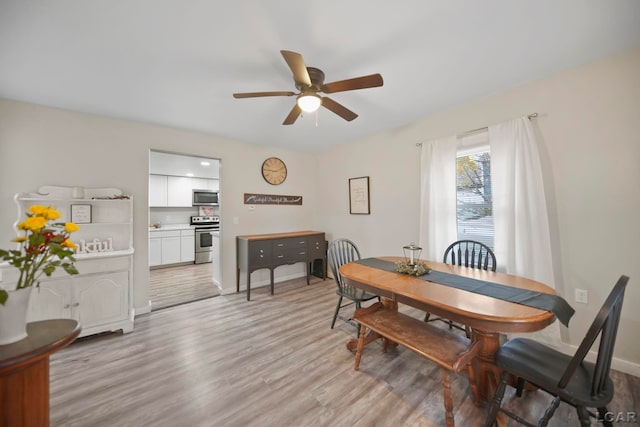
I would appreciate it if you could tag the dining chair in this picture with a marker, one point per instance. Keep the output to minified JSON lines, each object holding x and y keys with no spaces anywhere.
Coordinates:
{"x":468,"y":253}
{"x":340,"y":252}
{"x":569,"y":379}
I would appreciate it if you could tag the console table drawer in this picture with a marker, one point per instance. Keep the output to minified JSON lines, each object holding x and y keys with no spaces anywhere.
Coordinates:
{"x":290,"y":255}
{"x":260,"y":253}
{"x":290,"y":243}
{"x":316,"y":246}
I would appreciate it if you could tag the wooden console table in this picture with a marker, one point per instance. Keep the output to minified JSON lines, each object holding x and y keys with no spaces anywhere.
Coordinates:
{"x":24,"y":372}
{"x":254,"y":252}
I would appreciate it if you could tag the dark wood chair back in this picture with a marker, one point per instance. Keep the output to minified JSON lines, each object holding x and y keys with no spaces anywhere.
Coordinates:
{"x":470,"y":254}
{"x":606,"y":325}
{"x":340,"y":252}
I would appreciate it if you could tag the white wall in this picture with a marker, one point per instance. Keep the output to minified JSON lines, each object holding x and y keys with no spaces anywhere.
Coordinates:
{"x":48,"y":146}
{"x":588,"y":129}
{"x":590,"y":146}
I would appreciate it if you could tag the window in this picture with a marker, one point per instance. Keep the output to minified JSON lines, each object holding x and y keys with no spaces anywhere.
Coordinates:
{"x":473,"y":189}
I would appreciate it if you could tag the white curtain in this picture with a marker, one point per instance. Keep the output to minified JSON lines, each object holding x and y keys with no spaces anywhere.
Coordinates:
{"x":522,"y":242}
{"x":437,"y":197}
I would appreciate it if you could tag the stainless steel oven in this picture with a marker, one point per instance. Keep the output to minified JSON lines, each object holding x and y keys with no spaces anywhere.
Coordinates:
{"x":204,"y":227}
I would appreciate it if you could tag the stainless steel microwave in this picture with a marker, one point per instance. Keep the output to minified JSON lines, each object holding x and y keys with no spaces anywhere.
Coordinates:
{"x":205,"y":198}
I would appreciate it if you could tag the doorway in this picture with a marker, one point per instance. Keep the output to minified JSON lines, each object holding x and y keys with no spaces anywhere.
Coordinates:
{"x":174,"y":275}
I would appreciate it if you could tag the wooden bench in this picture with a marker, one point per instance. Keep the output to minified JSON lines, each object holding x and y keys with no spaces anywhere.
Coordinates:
{"x":451,"y":351}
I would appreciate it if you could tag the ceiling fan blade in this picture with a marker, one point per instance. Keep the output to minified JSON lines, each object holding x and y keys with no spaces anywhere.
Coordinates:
{"x":373,"y":80}
{"x":293,"y":115}
{"x":297,"y":66}
{"x":258,"y":94}
{"x":339,"y":109}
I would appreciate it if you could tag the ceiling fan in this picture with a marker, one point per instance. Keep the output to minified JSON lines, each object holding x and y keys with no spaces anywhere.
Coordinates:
{"x":310,"y":82}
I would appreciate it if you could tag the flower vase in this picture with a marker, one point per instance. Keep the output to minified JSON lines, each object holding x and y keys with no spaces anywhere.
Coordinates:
{"x":13,"y":316}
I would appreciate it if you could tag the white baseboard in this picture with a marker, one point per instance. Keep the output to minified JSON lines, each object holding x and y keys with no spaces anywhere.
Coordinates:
{"x":137,"y":311}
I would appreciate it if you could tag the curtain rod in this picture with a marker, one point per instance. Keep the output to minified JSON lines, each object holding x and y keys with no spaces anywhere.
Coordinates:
{"x":530,"y":116}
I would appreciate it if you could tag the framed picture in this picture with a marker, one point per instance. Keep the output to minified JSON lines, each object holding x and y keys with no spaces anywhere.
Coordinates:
{"x":359,"y":195}
{"x":81,"y":214}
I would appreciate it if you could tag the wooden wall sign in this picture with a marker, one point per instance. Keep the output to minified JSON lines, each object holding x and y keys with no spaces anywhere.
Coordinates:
{"x":271,"y":199}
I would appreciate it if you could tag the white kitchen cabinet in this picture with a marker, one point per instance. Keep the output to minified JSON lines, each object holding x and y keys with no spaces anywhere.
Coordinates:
{"x":176,"y":191}
{"x":179,"y":191}
{"x":187,"y":245}
{"x":171,"y":246}
{"x":157,"y":190}
{"x":100,"y":297}
{"x":155,"y":250}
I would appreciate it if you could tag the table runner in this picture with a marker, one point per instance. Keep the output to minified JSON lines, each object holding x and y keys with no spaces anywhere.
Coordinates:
{"x":553,"y":303}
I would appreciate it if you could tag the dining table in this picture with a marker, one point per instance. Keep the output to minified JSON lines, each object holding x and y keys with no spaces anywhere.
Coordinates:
{"x":489,"y":317}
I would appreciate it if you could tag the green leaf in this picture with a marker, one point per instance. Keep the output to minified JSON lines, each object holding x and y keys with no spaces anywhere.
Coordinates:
{"x":70,"y":268}
{"x":4,"y":295}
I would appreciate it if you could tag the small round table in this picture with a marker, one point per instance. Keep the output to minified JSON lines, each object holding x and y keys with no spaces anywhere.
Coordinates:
{"x":24,"y":372}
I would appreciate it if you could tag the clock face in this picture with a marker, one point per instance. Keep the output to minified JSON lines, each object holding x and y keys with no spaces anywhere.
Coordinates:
{"x":274,"y":171}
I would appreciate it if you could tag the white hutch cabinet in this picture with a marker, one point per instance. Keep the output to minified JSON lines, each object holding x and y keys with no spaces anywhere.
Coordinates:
{"x":100,"y":297}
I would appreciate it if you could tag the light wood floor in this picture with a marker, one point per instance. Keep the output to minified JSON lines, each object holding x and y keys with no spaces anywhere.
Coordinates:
{"x":177,"y":285}
{"x":272,"y":361}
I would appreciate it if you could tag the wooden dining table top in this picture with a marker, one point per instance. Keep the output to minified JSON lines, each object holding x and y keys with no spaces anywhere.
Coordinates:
{"x":475,"y":310}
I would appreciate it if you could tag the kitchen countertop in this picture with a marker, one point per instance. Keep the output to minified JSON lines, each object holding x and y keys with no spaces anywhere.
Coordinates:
{"x":170,"y":227}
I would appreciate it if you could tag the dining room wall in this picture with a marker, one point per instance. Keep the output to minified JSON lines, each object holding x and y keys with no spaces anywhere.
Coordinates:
{"x":590,"y":149}
{"x":49,"y":146}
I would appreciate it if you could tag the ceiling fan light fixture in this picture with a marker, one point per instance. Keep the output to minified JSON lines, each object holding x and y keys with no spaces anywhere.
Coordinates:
{"x":309,"y":103}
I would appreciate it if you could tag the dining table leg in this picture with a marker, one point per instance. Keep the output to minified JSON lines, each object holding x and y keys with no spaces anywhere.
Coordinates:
{"x":489,"y":374}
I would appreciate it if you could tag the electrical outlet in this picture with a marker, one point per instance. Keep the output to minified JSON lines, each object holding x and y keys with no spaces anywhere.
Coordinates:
{"x":582,"y":296}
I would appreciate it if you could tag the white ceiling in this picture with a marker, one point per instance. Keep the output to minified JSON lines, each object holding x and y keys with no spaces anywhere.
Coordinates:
{"x":177,"y":62}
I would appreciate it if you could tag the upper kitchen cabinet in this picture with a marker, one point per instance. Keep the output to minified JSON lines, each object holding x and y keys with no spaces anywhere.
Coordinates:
{"x":173,"y":177}
{"x":176,"y":191}
{"x":157,"y":190}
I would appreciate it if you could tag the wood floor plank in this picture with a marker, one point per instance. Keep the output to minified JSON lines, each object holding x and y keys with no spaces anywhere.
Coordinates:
{"x":176,"y":285}
{"x":272,"y":361}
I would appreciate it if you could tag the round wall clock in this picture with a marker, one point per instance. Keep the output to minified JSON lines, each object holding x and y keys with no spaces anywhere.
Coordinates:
{"x":274,"y":171}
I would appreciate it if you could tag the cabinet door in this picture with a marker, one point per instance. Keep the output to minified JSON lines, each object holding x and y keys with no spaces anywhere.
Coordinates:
{"x":101,"y":298}
{"x":200,"y":184}
{"x":171,"y":250}
{"x":155,"y":251}
{"x":179,"y":191}
{"x":316,"y":247}
{"x":260,"y":253}
{"x":188,"y":247}
{"x":157,"y":190}
{"x":51,"y":300}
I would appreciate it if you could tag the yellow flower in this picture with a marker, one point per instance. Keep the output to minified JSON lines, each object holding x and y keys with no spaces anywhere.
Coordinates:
{"x":70,"y":227}
{"x":19,"y":239}
{"x":69,"y":244}
{"x":52,"y":213}
{"x":38,"y":210}
{"x":44,"y":211}
{"x":33,"y":223}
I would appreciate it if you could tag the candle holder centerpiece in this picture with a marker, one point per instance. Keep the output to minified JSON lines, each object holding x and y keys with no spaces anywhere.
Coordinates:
{"x":411,"y":263}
